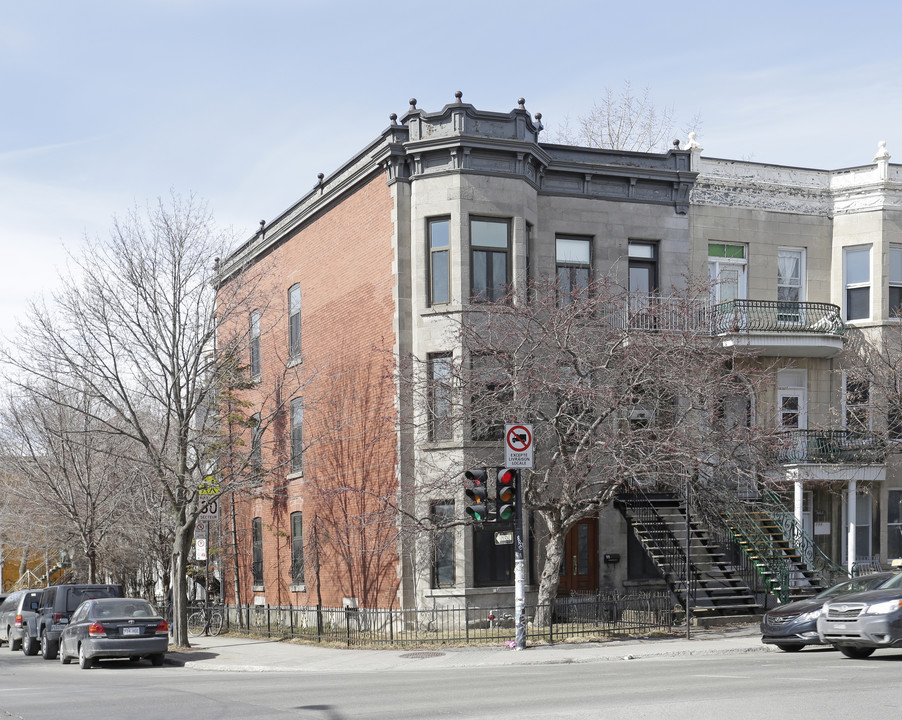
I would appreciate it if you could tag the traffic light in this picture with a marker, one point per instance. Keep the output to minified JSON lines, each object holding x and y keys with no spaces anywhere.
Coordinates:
{"x":507,"y":493}
{"x":478,"y":493}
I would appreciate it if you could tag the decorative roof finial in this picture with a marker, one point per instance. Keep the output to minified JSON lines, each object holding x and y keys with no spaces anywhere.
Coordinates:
{"x":320,"y":177}
{"x":676,"y":143}
{"x":413,"y":104}
{"x":539,"y":125}
{"x":459,"y":95}
{"x":882,"y":152}
{"x":522,"y":103}
{"x":394,"y":118}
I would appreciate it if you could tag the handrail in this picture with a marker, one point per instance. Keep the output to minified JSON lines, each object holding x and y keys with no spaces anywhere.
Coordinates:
{"x":829,"y":572}
{"x":736,"y":316}
{"x":674,"y":554}
{"x":831,"y":446}
{"x":770,"y":562}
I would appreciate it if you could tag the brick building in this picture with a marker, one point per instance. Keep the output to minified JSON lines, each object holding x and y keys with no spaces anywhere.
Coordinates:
{"x":366,"y":268}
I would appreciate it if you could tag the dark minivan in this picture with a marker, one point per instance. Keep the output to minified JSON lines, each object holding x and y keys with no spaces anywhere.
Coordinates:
{"x":58,"y":602}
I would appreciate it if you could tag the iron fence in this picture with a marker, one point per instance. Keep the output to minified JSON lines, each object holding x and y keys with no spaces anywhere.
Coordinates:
{"x":601,"y":616}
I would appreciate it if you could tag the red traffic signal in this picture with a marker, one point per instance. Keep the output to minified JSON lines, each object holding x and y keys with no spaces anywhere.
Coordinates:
{"x":507,"y":492}
{"x":477,"y":492}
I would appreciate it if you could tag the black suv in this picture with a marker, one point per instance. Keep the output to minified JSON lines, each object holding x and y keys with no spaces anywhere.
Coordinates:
{"x":58,"y":602}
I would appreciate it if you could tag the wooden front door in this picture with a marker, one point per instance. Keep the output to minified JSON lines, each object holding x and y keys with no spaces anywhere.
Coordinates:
{"x":579,"y":569}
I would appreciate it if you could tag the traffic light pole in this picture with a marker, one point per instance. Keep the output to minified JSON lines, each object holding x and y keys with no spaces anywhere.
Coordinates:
{"x":519,"y":569}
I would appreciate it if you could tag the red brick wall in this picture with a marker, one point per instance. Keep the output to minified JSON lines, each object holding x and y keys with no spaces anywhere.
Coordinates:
{"x":343,"y":262}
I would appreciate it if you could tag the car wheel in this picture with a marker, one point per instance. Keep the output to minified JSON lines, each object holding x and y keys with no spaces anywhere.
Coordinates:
{"x":84,"y":662}
{"x":856,"y":653}
{"x":157,"y":659}
{"x":789,"y":647}
{"x":48,"y":648}
{"x":29,"y":645}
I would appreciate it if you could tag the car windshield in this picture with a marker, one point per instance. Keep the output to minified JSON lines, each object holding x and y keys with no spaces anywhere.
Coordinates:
{"x":857,"y":585}
{"x":123,"y":608}
{"x":895,"y":582}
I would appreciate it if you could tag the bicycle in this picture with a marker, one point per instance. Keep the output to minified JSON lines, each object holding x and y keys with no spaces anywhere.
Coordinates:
{"x":206,"y":621}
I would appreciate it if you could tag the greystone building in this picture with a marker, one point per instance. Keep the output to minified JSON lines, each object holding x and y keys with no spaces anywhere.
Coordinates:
{"x":796,"y":256}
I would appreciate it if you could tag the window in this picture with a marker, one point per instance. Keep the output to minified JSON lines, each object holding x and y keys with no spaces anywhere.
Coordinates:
{"x":439,"y":390}
{"x":488,"y":247}
{"x":255,"y":344}
{"x":490,"y":400}
{"x":256,"y":457}
{"x":857,"y":270}
{"x":294,"y":322}
{"x":857,"y":402}
{"x":257,"y":564}
{"x":790,"y":286}
{"x":297,"y":434}
{"x":894,"y":418}
{"x":894,"y":524}
{"x":443,"y":544}
{"x":439,"y":262}
{"x":573,"y":256}
{"x":895,"y":281}
{"x":727,"y":271}
{"x":643,"y":268}
{"x":297,"y":548}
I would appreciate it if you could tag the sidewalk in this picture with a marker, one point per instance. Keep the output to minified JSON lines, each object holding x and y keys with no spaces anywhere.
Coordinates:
{"x":259,"y":655}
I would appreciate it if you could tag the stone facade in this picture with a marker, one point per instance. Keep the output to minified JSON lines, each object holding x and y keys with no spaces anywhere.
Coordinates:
{"x":359,"y":246}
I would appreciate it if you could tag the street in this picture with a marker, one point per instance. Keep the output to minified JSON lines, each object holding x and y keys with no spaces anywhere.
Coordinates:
{"x":811,"y":684}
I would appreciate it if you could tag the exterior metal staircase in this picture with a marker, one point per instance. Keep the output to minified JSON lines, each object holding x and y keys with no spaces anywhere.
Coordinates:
{"x":712,"y":585}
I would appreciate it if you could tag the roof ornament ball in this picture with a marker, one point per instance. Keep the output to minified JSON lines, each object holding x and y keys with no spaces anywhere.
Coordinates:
{"x":413,"y":104}
{"x":459,"y":95}
{"x":539,"y":125}
{"x":522,"y":103}
{"x":319,"y":178}
{"x":394,"y":118}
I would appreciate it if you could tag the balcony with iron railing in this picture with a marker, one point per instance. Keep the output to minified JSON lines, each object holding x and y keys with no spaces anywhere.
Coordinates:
{"x":801,"y":329}
{"x":832,"y":455}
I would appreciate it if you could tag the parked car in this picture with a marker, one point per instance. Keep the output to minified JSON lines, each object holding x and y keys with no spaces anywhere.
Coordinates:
{"x":793,"y":626}
{"x":58,"y":602}
{"x":114,"y":628}
{"x":860,"y":623}
{"x":14,"y":614}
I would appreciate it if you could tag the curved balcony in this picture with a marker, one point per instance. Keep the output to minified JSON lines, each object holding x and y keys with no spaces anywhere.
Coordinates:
{"x":832,"y":455}
{"x":795,"y":329}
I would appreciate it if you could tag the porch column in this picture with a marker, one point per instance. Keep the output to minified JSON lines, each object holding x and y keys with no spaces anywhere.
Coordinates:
{"x":798,"y":502}
{"x":851,"y":498}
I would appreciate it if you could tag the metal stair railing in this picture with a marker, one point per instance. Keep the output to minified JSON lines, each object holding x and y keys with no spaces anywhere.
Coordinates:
{"x":666,"y":546}
{"x":827,"y":571}
{"x":770,"y":561}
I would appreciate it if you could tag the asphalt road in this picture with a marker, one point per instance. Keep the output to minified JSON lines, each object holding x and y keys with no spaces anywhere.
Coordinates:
{"x":811,"y":684}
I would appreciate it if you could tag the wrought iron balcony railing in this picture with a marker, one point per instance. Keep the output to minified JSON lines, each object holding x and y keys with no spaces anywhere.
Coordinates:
{"x":831,"y":446}
{"x":737,"y":316}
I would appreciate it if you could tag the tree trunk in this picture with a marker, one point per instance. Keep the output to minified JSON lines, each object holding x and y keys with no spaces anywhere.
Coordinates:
{"x":551,"y":574}
{"x":180,"y":548}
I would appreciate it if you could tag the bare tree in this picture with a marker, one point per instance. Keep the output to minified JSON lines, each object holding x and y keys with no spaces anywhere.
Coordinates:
{"x":69,"y":469}
{"x":625,"y":393}
{"x":134,"y":327}
{"x":354,"y":482}
{"x":623,"y":120}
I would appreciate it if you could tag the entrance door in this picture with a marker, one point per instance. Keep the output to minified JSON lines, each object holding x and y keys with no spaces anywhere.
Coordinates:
{"x":579,"y":569}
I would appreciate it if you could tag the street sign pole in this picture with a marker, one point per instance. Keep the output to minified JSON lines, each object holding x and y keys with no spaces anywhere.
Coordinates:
{"x":519,"y":568}
{"x":518,"y":453}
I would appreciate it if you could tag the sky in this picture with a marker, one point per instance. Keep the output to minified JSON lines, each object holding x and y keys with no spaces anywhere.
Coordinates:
{"x":106,"y":106}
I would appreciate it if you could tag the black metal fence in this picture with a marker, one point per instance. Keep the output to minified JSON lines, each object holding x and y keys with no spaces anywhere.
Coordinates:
{"x":594,"y":616}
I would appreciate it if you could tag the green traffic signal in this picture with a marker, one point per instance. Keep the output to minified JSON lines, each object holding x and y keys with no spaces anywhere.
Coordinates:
{"x":478,"y":509}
